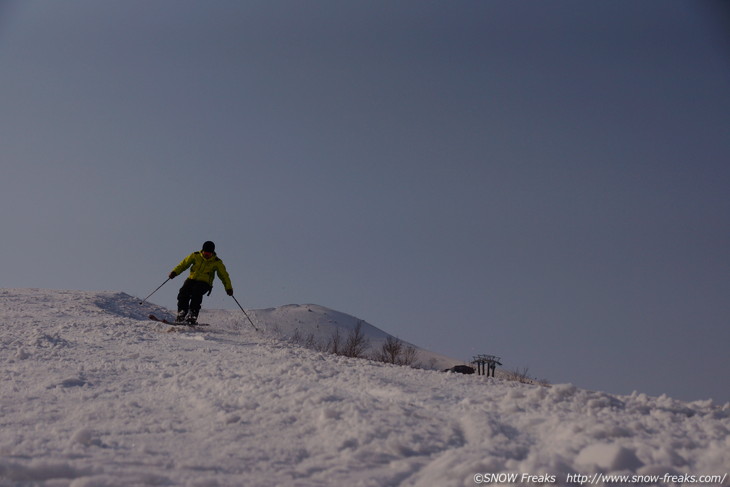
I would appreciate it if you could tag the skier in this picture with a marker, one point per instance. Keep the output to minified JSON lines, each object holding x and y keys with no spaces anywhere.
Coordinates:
{"x":205,"y":265}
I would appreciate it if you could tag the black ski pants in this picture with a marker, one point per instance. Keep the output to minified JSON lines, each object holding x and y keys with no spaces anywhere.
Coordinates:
{"x":190,"y":297}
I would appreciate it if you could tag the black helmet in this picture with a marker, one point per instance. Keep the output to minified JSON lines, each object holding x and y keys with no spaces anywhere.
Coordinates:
{"x":208,"y":246}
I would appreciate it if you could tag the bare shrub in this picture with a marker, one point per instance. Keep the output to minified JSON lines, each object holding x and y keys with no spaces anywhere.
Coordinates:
{"x":335,"y":343}
{"x":520,"y":375}
{"x":357,"y":343}
{"x":390,"y":351}
{"x":410,"y":354}
{"x":394,"y":351}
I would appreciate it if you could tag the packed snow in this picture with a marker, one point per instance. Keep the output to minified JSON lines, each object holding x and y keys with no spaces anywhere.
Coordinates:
{"x":94,"y":394}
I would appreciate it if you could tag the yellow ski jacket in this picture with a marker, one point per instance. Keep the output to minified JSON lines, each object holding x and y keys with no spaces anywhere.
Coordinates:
{"x":204,"y":269}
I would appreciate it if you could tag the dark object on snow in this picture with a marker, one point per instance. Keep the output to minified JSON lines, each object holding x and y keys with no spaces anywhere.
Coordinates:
{"x":461,"y":369}
{"x":486,"y":363}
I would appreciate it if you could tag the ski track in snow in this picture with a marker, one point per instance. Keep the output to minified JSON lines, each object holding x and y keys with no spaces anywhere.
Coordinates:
{"x":93,"y":394}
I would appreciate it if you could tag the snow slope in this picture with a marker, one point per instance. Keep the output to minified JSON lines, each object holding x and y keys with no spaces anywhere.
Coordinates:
{"x":320,"y":323}
{"x":93,"y":394}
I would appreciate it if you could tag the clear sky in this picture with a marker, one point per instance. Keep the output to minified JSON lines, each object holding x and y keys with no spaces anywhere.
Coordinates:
{"x":543,"y":181}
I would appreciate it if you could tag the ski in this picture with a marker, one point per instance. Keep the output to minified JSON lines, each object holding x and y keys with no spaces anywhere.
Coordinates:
{"x":167,"y":322}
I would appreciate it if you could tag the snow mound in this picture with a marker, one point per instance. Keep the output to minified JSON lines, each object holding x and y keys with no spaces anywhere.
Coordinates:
{"x":317,"y":324}
{"x":93,"y":394}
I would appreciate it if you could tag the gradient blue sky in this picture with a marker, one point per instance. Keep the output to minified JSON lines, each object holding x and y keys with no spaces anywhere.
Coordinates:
{"x":544,"y":181}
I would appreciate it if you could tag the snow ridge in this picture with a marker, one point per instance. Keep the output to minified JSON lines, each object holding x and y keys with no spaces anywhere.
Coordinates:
{"x":92,"y":394}
{"x":317,"y":324}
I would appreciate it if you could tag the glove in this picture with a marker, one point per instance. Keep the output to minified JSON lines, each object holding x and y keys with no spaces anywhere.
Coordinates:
{"x":229,"y":292}
{"x":172,"y":275}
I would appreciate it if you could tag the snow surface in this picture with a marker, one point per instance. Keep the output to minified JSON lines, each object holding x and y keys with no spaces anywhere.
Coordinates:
{"x":94,"y":394}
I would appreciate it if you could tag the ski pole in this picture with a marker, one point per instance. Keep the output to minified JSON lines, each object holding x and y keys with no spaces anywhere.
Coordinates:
{"x":153,"y":292}
{"x":244,"y":312}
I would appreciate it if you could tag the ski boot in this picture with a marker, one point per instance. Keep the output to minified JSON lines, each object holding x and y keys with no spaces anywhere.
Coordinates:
{"x":181,"y":314}
{"x":192,"y":318}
